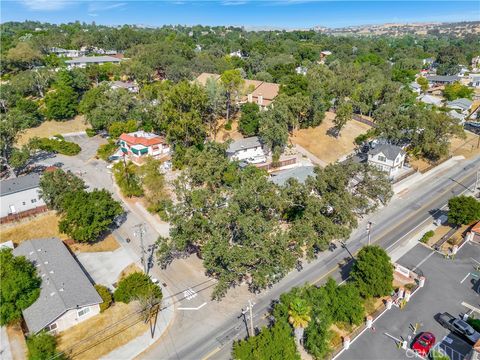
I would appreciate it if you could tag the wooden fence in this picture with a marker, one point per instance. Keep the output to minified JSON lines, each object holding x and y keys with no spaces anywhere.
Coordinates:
{"x":22,"y":215}
{"x":271,"y":166}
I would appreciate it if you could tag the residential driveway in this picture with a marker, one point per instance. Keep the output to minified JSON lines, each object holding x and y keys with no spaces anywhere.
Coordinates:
{"x":448,"y":285}
{"x":105,"y":267}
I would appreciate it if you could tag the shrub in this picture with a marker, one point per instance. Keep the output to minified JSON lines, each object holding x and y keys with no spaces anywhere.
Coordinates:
{"x":228,"y":126}
{"x":57,"y":145}
{"x":42,"y":346}
{"x":127,"y":179}
{"x":475,"y":323}
{"x":437,"y":355}
{"x":135,"y":286}
{"x":105,"y":295}
{"x":427,"y":236}
{"x":90,"y":132}
{"x":106,"y":150}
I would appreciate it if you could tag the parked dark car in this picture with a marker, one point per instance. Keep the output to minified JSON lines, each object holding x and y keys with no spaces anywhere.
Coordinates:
{"x":459,"y":327}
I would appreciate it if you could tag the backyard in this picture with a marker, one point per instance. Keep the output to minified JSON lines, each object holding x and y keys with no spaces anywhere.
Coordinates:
{"x":326,"y":147}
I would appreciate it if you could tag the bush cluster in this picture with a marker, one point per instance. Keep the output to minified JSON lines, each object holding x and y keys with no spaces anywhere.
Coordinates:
{"x":136,"y":286}
{"x":105,"y":295}
{"x":57,"y":145}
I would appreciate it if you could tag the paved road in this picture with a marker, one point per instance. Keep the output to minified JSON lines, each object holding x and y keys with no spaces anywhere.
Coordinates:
{"x":199,"y":335}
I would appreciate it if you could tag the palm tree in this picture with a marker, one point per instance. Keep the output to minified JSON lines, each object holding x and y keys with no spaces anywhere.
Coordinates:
{"x":299,"y":317}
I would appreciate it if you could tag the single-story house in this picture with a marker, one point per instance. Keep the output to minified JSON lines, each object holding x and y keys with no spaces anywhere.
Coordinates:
{"x":89,"y":60}
{"x":66,"y":52}
{"x":460,"y":104}
{"x":428,"y":61}
{"x":300,"y":173}
{"x":19,"y":195}
{"x":475,"y":81}
{"x":67,"y":297}
{"x":127,"y":85}
{"x":260,"y":92}
{"x":301,"y":70}
{"x":140,"y":144}
{"x":457,"y":116}
{"x":476,"y":62}
{"x":430,"y":100}
{"x":248,"y":150}
{"x":387,"y":157}
{"x":442,"y":79}
{"x":415,"y":87}
{"x":237,"y":53}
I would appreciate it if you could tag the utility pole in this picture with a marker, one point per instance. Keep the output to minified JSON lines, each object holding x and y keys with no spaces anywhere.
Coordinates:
{"x":369,"y":230}
{"x":250,"y":306}
{"x":140,"y":232}
{"x":477,"y":180}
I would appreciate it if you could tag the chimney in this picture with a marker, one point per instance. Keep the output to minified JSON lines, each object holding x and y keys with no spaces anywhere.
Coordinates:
{"x":250,"y":98}
{"x":260,"y":100}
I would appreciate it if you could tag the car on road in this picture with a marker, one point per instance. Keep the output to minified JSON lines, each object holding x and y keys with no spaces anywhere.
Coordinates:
{"x":459,"y":327}
{"x":424,"y":343}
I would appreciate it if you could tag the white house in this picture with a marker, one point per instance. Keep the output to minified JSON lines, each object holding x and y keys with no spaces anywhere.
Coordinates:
{"x":415,"y":87}
{"x":430,"y":100}
{"x":249,"y":150}
{"x":140,"y":144}
{"x":460,"y":104}
{"x":67,"y":297}
{"x":475,"y":81}
{"x":386,"y":157}
{"x":83,"y":61}
{"x":237,"y":53}
{"x":70,"y":53}
{"x":20,"y":195}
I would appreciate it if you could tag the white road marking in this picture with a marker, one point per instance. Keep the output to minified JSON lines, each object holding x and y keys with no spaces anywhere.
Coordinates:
{"x":192,"y":308}
{"x":189,"y":294}
{"x":465,"y":278}
{"x":423,"y":261}
{"x":471,"y":307}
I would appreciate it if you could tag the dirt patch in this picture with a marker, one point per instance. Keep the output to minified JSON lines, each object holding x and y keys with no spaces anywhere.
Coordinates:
{"x":18,"y":345}
{"x":46,"y":225}
{"x":224,"y":135}
{"x":326,"y":147}
{"x":102,"y":333}
{"x":50,"y":128}
{"x":130,"y":269}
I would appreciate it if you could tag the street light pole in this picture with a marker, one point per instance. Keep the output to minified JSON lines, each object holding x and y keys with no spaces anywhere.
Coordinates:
{"x":141,"y":232}
{"x":369,"y":230}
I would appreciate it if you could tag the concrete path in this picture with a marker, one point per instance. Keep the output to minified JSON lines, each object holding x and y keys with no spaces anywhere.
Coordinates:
{"x":105,"y":267}
{"x":309,"y":155}
{"x":5,"y":352}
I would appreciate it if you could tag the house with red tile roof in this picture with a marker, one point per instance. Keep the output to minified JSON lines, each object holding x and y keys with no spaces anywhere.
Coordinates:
{"x":136,"y":146}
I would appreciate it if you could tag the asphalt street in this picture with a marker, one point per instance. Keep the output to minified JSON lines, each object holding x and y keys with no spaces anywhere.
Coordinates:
{"x":198,"y":337}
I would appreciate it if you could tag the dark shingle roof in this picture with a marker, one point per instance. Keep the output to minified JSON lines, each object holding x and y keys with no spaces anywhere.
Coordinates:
{"x":462,"y":103}
{"x":92,"y":59}
{"x":443,"y":78}
{"x":242,"y":144}
{"x":64,"y":285}
{"x":390,"y":151}
{"x":18,"y":184}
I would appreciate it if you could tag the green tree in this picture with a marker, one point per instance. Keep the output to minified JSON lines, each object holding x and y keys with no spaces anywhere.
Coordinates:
{"x":232,"y":81}
{"x":136,"y":286}
{"x":343,"y":114}
{"x":61,"y":104}
{"x":423,"y":82}
{"x":299,"y":317}
{"x":250,"y":119}
{"x":457,"y":90}
{"x":20,"y":286}
{"x":126,"y":177}
{"x":463,"y":210}
{"x":271,"y":343}
{"x":86,"y":215}
{"x":54,"y":185}
{"x":19,"y":158}
{"x":23,"y":56}
{"x":118,"y":128}
{"x":105,"y":295}
{"x":154,"y":185}
{"x":372,"y":272}
{"x":43,"y":346}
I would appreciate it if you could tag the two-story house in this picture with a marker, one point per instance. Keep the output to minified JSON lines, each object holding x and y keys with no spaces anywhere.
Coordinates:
{"x":248,"y":150}
{"x":67,"y":297}
{"x":136,"y":146}
{"x":387,"y":157}
{"x":20,"y":195}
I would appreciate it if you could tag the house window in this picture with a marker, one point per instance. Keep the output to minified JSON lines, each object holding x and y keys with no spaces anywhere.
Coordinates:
{"x":34,"y":201}
{"x":382,"y":158}
{"x":83,"y":311}
{"x":23,"y":202}
{"x":52,"y":327}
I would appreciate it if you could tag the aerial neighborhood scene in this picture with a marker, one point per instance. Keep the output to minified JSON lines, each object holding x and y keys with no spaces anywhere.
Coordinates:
{"x":239,"y":179}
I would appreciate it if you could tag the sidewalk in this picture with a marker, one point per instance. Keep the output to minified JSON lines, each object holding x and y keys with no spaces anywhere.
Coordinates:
{"x":5,"y":352}
{"x":143,"y":342}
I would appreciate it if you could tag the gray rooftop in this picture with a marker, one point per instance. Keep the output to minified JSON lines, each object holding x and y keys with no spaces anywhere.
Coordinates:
{"x":462,"y":103}
{"x":64,"y":285}
{"x":390,"y":151}
{"x":243,"y":144}
{"x":300,"y":173}
{"x":124,"y":84}
{"x":443,"y":78}
{"x":18,"y":184}
{"x":92,"y":59}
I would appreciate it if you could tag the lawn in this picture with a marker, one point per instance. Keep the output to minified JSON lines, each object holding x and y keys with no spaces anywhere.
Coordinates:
{"x":50,"y":128}
{"x":46,"y":225}
{"x":326,"y":147}
{"x":91,"y":339}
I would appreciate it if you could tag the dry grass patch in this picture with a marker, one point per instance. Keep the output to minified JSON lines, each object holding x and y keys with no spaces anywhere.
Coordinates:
{"x":465,"y":147}
{"x":326,"y":147}
{"x":50,"y":128}
{"x":94,"y":346}
{"x":41,"y":226}
{"x":130,"y":269}
{"x":46,"y":225}
{"x":224,"y":135}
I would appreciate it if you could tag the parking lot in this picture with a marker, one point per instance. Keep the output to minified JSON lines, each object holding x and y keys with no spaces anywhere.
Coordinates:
{"x":448,"y":287}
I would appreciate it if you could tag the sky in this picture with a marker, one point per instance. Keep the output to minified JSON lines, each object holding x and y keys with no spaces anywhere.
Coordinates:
{"x":248,"y":13}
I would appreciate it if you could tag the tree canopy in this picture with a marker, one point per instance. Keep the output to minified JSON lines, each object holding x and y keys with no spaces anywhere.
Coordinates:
{"x":463,"y":210}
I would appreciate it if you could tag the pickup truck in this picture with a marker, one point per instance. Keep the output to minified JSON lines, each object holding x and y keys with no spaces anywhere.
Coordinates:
{"x":459,"y":327}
